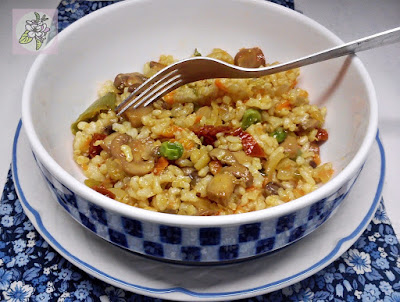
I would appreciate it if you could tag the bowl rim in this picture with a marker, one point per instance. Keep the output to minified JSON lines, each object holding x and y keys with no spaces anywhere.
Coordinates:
{"x":125,"y":210}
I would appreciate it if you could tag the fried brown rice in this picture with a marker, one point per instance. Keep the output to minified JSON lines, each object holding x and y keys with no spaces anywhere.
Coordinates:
{"x":213,"y":147}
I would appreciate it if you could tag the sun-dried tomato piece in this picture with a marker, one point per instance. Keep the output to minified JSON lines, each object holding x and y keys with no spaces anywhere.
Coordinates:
{"x":95,"y":150}
{"x":209,"y":133}
{"x":104,"y":191}
{"x":250,"y":145}
{"x":322,"y":135}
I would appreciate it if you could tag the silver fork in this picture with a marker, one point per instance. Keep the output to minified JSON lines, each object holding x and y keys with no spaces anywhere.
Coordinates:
{"x":201,"y":68}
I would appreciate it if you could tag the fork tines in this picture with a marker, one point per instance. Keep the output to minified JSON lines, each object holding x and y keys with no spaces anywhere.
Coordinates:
{"x":154,"y":88}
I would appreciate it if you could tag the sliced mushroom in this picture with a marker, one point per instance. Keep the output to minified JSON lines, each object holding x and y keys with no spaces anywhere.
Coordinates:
{"x":106,"y":144}
{"x":115,"y":146}
{"x":192,"y":173}
{"x":156,"y":66}
{"x":233,"y":166}
{"x":309,"y":124}
{"x":242,"y":157}
{"x":250,"y":58}
{"x":240,"y":172}
{"x":291,"y":147}
{"x":271,"y":188}
{"x":131,"y":80}
{"x":224,"y":156}
{"x":135,"y":115}
{"x":221,"y":187}
{"x":207,"y":212}
{"x":143,"y":154}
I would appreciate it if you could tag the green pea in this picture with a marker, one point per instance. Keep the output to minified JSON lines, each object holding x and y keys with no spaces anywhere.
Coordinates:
{"x":171,"y":150}
{"x":280,"y":134}
{"x":250,"y":117}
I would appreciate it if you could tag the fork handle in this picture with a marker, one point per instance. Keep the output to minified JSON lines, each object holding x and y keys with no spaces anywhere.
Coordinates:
{"x":373,"y":41}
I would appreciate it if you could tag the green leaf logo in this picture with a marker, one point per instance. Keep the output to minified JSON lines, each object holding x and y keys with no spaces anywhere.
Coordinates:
{"x":37,"y":17}
{"x":25,"y":39}
{"x":38,"y":44}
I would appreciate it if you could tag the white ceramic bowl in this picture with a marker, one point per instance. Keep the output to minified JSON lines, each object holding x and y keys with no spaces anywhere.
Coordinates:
{"x":121,"y":38}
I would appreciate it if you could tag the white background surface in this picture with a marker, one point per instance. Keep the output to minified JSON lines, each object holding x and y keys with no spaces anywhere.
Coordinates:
{"x":348,"y":19}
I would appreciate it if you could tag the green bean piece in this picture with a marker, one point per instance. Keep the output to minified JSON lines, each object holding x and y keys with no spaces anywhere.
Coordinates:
{"x":250,"y":117}
{"x":171,"y":150}
{"x":280,"y":134}
{"x":106,"y":102}
{"x":196,"y":106}
{"x":196,"y":53}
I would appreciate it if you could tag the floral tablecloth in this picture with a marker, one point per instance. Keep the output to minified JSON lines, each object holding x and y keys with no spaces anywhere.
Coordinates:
{"x":30,"y":270}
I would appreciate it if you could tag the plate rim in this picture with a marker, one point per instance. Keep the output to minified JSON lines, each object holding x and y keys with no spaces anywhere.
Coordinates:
{"x":157,"y":292}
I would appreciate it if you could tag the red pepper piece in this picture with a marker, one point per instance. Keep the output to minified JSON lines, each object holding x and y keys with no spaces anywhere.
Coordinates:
{"x":95,"y":150}
{"x":250,"y":145}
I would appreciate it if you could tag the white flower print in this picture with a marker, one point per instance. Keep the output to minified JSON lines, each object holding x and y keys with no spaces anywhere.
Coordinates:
{"x":31,"y":243}
{"x":36,"y":30}
{"x":390,"y":275}
{"x":70,"y":6}
{"x":359,"y":261}
{"x":381,"y":216}
{"x":50,"y":287}
{"x":19,"y":245}
{"x":64,"y":296}
{"x":386,"y":288}
{"x":31,"y":235}
{"x":7,"y":221}
{"x":18,"y":292}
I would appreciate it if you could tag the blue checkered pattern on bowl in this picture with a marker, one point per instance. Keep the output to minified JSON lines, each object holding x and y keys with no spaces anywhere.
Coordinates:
{"x":195,"y":244}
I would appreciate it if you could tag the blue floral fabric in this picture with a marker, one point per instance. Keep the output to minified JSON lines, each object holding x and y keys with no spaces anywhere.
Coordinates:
{"x":71,"y":10}
{"x":30,"y":270}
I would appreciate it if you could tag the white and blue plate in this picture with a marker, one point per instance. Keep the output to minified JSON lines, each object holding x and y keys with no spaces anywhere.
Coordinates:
{"x":148,"y":277}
